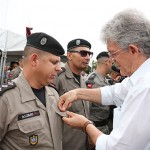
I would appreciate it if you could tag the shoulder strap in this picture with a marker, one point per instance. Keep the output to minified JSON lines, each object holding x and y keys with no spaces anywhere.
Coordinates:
{"x":6,"y":87}
{"x":90,"y":82}
{"x":92,"y":76}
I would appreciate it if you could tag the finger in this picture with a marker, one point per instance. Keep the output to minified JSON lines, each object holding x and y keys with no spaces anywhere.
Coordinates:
{"x":70,"y":114}
{"x":66,"y":120}
{"x":62,"y":105}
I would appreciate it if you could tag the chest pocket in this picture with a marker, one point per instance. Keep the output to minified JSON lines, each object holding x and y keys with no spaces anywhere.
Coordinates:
{"x":31,"y":124}
{"x":24,"y":129}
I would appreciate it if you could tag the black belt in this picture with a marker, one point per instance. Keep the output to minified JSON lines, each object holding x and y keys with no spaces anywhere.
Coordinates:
{"x":100,"y":123}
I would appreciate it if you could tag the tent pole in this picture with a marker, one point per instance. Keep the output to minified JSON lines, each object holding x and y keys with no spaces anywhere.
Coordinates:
{"x":3,"y":61}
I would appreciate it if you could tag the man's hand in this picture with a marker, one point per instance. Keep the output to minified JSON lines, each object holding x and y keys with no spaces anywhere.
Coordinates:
{"x":75,"y":120}
{"x":65,"y":101}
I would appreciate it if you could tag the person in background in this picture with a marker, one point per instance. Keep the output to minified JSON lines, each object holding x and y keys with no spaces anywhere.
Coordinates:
{"x":114,"y":76}
{"x":14,"y":73}
{"x":78,"y":55}
{"x":127,"y":37}
{"x":29,"y":117}
{"x":99,"y":114}
{"x":13,"y":65}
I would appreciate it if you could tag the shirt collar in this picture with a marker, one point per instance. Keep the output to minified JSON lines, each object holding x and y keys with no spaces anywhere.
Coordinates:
{"x":140,"y":72}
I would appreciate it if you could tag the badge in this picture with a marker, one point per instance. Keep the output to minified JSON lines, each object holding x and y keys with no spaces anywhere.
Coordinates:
{"x":33,"y":139}
{"x":43,"y":41}
{"x":77,"y":42}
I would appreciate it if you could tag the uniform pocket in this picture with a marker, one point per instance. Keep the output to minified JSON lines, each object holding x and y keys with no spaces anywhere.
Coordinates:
{"x":29,"y":130}
{"x":31,"y":124}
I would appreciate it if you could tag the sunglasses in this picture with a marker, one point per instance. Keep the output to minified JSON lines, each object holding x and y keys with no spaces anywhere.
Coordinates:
{"x":83,"y":53}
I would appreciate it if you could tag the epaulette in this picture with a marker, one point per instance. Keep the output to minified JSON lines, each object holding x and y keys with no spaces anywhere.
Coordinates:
{"x":92,"y":76}
{"x":63,"y":70}
{"x":90,"y":82}
{"x":53,"y":86}
{"x":6,"y":87}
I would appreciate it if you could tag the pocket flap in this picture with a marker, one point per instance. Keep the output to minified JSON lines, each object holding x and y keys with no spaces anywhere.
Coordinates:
{"x":30,"y":125}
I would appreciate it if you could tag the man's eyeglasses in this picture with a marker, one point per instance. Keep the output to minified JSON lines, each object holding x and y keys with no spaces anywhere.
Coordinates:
{"x":114,"y":54}
{"x":83,"y":53}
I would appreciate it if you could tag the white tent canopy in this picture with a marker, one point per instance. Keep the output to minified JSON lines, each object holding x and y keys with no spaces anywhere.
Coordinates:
{"x":10,"y":41}
{"x":10,"y":38}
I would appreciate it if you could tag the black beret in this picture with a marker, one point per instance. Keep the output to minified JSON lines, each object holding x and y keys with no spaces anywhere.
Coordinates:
{"x":78,"y":43}
{"x":102,"y":54}
{"x":45,"y":42}
{"x":115,"y":68}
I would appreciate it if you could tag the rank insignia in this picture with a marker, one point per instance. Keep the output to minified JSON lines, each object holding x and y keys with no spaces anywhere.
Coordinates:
{"x":33,"y":139}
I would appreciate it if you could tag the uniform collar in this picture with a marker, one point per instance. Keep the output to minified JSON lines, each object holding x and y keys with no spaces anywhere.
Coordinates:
{"x":69,"y":73}
{"x":26,"y":92}
{"x":99,"y":75}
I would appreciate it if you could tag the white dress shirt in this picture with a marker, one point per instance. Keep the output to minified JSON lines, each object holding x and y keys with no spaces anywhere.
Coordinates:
{"x":133,"y":132}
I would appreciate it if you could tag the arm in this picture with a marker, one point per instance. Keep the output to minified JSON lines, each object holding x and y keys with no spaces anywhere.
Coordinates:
{"x":93,"y":95}
{"x":78,"y":121}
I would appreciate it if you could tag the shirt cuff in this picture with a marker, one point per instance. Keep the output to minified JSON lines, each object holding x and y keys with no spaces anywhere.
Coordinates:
{"x":106,"y":96}
{"x":101,"y":142}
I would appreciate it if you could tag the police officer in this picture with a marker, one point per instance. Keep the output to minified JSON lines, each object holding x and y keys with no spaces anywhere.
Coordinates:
{"x":78,"y":54}
{"x":28,"y":107}
{"x":100,"y":113}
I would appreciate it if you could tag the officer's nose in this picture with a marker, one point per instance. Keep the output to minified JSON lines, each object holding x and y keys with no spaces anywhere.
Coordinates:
{"x":58,"y":67}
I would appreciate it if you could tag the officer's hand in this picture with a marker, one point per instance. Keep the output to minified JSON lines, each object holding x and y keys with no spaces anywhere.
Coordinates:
{"x":75,"y":120}
{"x":65,"y":101}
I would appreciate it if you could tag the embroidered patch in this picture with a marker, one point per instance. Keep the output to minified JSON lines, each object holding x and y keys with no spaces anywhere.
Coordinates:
{"x":33,"y":139}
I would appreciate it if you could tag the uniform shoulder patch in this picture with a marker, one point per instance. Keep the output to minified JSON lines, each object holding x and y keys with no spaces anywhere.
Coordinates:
{"x":6,"y":87}
{"x":63,"y":70}
{"x":92,"y":76}
{"x":90,"y":82}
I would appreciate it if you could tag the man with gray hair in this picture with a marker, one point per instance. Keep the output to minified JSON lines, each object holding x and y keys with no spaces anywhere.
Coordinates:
{"x":127,"y":37}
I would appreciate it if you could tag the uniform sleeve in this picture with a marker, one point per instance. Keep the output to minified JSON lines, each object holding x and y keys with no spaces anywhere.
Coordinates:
{"x":3,"y":115}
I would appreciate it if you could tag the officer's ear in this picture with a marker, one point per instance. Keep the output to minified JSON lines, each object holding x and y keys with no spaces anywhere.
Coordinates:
{"x":69,"y":55}
{"x":34,"y":58}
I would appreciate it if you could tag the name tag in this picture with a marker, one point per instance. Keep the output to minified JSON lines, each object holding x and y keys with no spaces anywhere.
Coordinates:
{"x":28,"y":115}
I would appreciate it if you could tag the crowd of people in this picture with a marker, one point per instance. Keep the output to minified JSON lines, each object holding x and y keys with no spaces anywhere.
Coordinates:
{"x":49,"y":107}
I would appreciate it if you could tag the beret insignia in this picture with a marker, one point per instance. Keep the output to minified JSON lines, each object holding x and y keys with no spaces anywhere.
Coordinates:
{"x":77,"y":42}
{"x":43,"y":41}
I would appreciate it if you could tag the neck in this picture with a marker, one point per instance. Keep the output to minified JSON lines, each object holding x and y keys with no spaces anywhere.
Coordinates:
{"x":102,"y":70}
{"x":32,"y":80}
